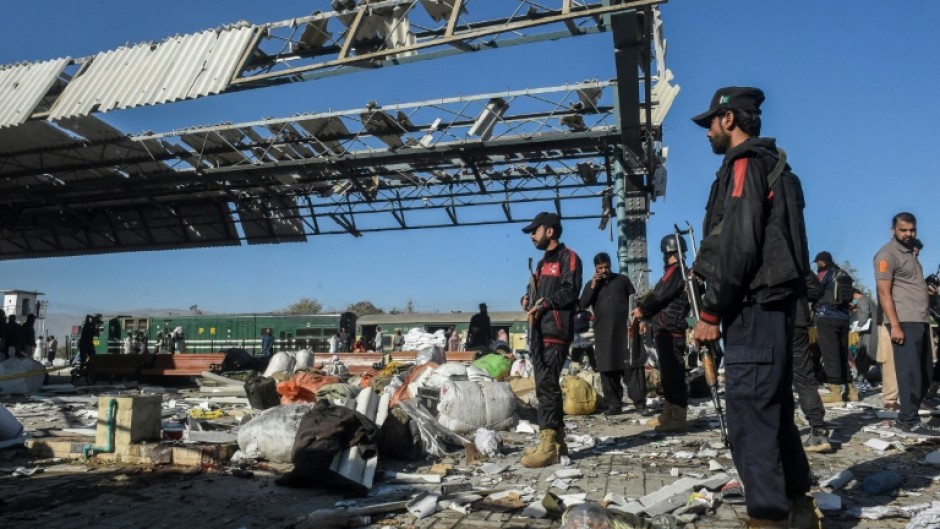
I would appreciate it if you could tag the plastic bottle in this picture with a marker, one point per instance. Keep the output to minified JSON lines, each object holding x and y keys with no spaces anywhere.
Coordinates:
{"x":883,"y":482}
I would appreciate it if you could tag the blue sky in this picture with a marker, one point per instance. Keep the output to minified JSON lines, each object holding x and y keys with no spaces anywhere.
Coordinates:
{"x":851,"y":95}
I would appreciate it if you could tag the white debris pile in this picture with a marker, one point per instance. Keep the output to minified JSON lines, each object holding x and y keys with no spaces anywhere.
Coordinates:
{"x":418,"y":339}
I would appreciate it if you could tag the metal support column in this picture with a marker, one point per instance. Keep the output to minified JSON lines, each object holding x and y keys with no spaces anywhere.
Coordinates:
{"x":631,"y":196}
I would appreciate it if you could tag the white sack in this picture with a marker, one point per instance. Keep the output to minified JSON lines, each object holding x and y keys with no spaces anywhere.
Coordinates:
{"x":21,"y":386}
{"x":448,"y":371}
{"x":272,"y":433}
{"x":9,"y":426}
{"x":303,"y":359}
{"x":465,"y":406}
{"x":280,"y":362}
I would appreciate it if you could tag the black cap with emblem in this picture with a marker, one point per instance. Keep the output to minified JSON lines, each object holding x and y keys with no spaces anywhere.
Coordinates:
{"x":731,"y":98}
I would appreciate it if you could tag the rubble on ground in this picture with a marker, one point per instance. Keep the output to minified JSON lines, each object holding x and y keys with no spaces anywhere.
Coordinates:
{"x":617,"y":471}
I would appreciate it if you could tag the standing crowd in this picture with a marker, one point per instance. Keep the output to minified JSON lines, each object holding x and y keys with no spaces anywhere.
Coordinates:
{"x":760,"y":306}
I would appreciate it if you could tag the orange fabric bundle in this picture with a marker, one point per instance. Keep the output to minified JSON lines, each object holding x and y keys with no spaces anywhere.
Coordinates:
{"x":402,"y":393}
{"x":365,"y":380}
{"x":303,"y":386}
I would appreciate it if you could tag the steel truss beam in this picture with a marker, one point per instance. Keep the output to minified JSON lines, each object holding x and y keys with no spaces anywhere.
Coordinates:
{"x":87,"y":188}
{"x":377,"y":34}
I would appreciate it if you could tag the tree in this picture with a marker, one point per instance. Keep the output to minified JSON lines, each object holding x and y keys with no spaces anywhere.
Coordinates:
{"x":856,"y":278}
{"x":303,"y":306}
{"x":364,"y":308}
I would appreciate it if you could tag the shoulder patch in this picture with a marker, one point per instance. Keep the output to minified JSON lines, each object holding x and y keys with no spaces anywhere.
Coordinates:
{"x":739,"y":171}
{"x":882,"y":266}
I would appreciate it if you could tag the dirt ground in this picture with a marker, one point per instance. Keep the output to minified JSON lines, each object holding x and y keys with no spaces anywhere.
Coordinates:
{"x":623,"y":458}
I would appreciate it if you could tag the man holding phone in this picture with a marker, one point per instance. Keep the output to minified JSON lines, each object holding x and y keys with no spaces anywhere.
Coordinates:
{"x":608,"y":295}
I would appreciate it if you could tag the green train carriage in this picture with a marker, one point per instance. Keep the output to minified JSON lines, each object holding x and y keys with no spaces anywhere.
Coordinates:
{"x":218,"y":332}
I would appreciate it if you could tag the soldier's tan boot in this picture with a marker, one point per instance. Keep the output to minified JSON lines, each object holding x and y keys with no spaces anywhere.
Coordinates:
{"x":805,"y":514}
{"x":677,"y":422}
{"x":852,"y":393}
{"x":834,"y":397}
{"x":559,"y":440}
{"x":545,"y":454}
{"x":662,"y":417}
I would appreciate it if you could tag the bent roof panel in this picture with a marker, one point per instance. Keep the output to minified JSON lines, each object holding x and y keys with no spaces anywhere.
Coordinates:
{"x":22,"y":87}
{"x":178,"y":68}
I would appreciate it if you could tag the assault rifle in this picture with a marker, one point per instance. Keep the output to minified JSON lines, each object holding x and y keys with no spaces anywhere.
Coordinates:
{"x":531,"y":292}
{"x":706,"y":350}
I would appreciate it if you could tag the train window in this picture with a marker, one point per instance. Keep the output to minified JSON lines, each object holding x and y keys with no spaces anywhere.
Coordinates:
{"x":309,"y":332}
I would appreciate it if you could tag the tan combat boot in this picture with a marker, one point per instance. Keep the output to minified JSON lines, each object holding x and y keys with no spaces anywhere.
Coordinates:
{"x":545,"y":454}
{"x":676,"y":422}
{"x":559,"y":440}
{"x":662,"y":417}
{"x":805,"y":514}
{"x":852,"y":393}
{"x":834,"y":397}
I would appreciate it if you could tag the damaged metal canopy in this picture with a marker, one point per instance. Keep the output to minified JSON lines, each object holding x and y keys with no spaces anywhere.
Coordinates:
{"x":357,"y":36}
{"x":81,"y":186}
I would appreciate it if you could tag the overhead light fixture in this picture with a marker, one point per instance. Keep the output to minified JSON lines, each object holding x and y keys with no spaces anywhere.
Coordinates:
{"x":492,"y":113}
{"x":428,"y":137}
{"x":589,"y":97}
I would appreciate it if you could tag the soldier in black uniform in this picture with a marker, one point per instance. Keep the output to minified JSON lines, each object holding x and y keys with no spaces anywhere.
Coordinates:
{"x":557,"y":284}
{"x":666,"y":309}
{"x":753,"y":274}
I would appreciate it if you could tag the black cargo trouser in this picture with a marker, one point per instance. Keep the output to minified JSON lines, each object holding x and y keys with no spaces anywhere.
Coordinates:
{"x":612,"y":384}
{"x":86,"y":352}
{"x":635,"y":379}
{"x":912,"y":365}
{"x":804,"y":380}
{"x":863,"y":359}
{"x":671,"y":351}
{"x":832,"y":335}
{"x":766,"y":445}
{"x":547,"y":362}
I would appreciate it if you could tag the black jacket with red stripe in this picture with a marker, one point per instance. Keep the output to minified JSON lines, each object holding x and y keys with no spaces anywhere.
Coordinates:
{"x":558,"y":285}
{"x":756,"y":257}
{"x":667,"y":306}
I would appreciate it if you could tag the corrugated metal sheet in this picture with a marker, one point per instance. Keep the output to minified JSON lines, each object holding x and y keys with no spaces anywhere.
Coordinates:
{"x":22,"y":87}
{"x":664,"y":94}
{"x":183,"y":67}
{"x":33,"y":146}
{"x":274,"y":220}
{"x":79,"y":231}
